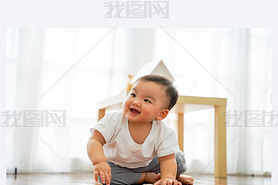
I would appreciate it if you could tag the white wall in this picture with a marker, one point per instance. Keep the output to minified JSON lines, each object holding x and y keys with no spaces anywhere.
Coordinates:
{"x":2,"y":107}
{"x":275,"y":107}
{"x":2,"y":156}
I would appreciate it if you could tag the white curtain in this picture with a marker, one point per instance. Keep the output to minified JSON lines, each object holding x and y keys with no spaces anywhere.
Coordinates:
{"x":230,"y":63}
{"x":72,"y":69}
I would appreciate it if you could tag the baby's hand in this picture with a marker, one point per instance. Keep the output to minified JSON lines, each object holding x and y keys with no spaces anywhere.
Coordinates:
{"x":103,"y":170}
{"x":167,"y":181}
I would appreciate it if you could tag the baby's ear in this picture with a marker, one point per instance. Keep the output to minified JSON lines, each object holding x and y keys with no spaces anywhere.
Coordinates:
{"x":162,"y":114}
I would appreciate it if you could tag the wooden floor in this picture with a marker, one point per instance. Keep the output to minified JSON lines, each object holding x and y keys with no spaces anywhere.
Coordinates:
{"x":86,"y":178}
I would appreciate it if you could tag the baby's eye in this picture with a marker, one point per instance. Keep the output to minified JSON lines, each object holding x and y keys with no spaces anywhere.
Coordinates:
{"x":133,"y":95}
{"x":148,"y":101}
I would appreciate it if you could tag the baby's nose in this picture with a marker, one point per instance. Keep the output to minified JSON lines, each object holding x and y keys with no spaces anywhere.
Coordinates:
{"x":137,"y":103}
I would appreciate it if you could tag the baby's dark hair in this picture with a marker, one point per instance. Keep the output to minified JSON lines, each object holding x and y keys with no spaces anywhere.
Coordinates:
{"x":171,"y":90}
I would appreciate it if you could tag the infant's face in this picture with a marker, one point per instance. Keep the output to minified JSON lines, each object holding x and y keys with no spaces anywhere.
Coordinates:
{"x":145,"y":102}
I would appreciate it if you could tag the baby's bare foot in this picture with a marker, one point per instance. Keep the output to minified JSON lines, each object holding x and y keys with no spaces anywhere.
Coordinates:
{"x":185,"y":179}
{"x":152,"y":177}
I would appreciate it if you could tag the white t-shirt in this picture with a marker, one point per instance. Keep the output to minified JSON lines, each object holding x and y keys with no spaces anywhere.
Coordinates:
{"x":122,"y":150}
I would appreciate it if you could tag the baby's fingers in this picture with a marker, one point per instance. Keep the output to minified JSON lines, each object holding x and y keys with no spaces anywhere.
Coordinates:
{"x":96,"y":176}
{"x":105,"y":177}
{"x":102,"y":177}
{"x":169,"y":182}
{"x":175,"y":182}
{"x":108,"y":177}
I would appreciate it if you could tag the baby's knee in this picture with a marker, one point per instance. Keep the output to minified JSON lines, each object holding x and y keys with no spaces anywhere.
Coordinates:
{"x":181,"y":163}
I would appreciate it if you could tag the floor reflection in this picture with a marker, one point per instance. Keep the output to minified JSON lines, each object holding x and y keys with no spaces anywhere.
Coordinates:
{"x":232,"y":180}
{"x":221,"y":181}
{"x":87,"y":178}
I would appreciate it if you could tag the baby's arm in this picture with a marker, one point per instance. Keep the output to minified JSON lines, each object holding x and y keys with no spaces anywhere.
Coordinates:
{"x":97,"y":157}
{"x":168,"y":168}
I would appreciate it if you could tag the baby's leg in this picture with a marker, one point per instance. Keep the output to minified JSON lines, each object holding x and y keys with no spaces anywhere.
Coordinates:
{"x":185,"y":179}
{"x":149,"y":177}
{"x":181,"y":167}
{"x":150,"y":173}
{"x":121,"y":175}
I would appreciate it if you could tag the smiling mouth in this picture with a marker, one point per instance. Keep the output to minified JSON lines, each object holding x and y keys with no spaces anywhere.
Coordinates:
{"x":134,"y":111}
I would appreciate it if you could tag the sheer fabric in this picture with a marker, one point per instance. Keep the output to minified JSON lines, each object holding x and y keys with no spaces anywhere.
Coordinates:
{"x":72,"y":69}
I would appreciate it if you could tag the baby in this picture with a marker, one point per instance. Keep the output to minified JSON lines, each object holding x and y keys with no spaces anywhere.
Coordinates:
{"x":134,"y":145}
